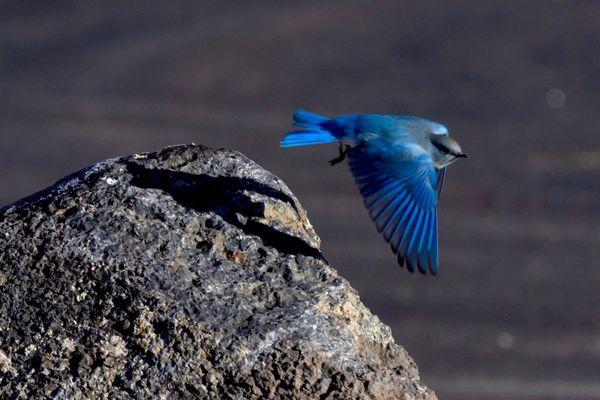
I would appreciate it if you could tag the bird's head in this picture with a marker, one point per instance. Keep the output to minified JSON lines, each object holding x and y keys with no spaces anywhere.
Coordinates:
{"x":444,"y":150}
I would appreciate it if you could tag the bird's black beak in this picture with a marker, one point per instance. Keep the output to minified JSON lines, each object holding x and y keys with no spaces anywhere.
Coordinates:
{"x":461,"y":155}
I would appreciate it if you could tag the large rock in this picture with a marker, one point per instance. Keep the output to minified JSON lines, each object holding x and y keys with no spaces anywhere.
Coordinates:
{"x":187,"y":273}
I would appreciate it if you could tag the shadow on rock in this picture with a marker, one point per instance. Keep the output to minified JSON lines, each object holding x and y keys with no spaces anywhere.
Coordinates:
{"x":229,"y":197}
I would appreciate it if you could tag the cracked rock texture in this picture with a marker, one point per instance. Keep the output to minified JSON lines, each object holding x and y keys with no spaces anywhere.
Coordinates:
{"x":186,"y":273}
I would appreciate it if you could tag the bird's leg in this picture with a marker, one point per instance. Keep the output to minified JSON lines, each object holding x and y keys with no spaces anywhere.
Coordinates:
{"x":343,"y":152}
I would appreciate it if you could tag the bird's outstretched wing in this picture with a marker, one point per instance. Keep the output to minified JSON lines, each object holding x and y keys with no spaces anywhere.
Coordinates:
{"x":402,"y":196}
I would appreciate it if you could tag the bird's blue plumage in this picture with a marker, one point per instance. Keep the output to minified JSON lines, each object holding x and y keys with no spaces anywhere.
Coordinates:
{"x":401,"y":198}
{"x":310,"y":129}
{"x":398,"y":172}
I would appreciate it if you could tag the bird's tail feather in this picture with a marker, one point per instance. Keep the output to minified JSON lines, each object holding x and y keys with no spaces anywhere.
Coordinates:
{"x":307,"y":120}
{"x":312,"y":129}
{"x":306,"y":138}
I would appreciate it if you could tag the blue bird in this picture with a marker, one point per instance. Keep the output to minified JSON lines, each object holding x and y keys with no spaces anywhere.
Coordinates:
{"x":399,"y":164}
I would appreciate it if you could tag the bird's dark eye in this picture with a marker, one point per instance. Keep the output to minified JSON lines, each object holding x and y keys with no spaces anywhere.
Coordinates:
{"x":443,"y":149}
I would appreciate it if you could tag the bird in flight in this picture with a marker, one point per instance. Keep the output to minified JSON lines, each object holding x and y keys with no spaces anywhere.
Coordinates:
{"x":399,"y":164}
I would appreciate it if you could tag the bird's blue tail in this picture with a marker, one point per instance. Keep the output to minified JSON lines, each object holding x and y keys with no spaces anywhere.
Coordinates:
{"x":311,"y":129}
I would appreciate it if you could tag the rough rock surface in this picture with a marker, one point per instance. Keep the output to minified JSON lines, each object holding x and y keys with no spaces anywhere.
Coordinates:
{"x":187,"y":273}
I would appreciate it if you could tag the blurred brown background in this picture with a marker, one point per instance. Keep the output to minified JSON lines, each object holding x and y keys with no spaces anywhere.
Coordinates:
{"x":515,"y":312}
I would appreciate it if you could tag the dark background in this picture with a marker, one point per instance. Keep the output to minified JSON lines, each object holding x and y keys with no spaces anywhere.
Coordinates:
{"x":515,"y":311}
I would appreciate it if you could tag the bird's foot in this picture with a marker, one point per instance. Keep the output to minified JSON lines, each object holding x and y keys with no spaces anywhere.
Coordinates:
{"x":343,"y":152}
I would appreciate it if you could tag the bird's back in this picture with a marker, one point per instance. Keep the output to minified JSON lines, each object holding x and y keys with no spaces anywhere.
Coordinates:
{"x":394,"y":135}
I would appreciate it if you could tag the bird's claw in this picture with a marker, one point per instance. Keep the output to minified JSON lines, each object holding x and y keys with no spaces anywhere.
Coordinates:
{"x":343,"y":152}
